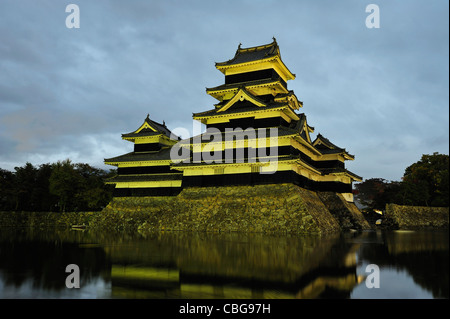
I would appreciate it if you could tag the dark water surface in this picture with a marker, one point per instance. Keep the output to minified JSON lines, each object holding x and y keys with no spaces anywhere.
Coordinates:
{"x":412,"y":264}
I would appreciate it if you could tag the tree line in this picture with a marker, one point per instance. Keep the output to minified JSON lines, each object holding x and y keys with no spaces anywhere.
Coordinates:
{"x":61,"y":186}
{"x":65,"y":186}
{"x":424,"y":183}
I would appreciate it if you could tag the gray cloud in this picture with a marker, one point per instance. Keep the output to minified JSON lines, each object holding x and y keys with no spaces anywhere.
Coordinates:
{"x":380,"y":93}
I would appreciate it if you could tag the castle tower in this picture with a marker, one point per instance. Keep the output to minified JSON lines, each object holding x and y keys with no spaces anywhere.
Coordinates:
{"x":254,"y":100}
{"x":146,"y":171}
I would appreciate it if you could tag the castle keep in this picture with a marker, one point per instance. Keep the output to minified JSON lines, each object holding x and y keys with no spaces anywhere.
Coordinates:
{"x":255,"y":135}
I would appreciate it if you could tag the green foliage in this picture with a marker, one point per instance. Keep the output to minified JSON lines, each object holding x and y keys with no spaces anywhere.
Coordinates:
{"x":61,"y":186}
{"x":424,"y":183}
{"x":428,"y":180}
{"x":64,"y":183}
{"x":7,"y":190}
{"x":369,"y":192}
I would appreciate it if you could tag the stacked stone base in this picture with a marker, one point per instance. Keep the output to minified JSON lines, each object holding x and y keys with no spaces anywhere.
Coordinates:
{"x":415,"y":217}
{"x":281,"y":208}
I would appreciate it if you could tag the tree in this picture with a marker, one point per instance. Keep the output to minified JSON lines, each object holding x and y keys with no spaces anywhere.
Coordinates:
{"x":64,"y":183}
{"x":7,"y":190}
{"x":61,"y":186}
{"x":25,"y":181}
{"x":93,"y":193}
{"x":41,"y":197}
{"x":370,"y":192}
{"x":424,"y":183}
{"x":428,"y":180}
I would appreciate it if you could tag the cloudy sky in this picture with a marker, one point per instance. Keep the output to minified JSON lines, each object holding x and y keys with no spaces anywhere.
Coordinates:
{"x":381,"y":93}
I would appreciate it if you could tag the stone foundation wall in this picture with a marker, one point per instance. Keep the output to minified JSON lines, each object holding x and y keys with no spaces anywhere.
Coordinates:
{"x":280,"y":208}
{"x":45,"y":219}
{"x":413,"y":217}
{"x":347,"y":214}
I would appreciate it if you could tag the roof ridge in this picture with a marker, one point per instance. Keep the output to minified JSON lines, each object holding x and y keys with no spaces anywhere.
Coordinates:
{"x":260,"y":47}
{"x":273,"y":50}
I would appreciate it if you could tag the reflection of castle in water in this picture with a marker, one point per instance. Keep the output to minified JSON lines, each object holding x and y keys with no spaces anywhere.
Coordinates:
{"x":180,"y":265}
{"x":202,"y":265}
{"x":234,"y":266}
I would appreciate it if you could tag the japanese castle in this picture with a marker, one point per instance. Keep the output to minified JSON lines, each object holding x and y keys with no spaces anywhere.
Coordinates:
{"x":254,"y":135}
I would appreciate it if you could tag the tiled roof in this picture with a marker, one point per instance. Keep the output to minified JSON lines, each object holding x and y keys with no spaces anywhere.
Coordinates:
{"x":160,"y":129}
{"x":233,"y":110}
{"x":326,"y":147}
{"x":252,"y":54}
{"x":239,"y":84}
{"x":162,"y":155}
{"x":205,"y":137}
{"x":146,"y":177}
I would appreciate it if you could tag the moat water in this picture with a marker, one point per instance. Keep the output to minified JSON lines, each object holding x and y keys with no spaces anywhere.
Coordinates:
{"x":366,"y":265}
